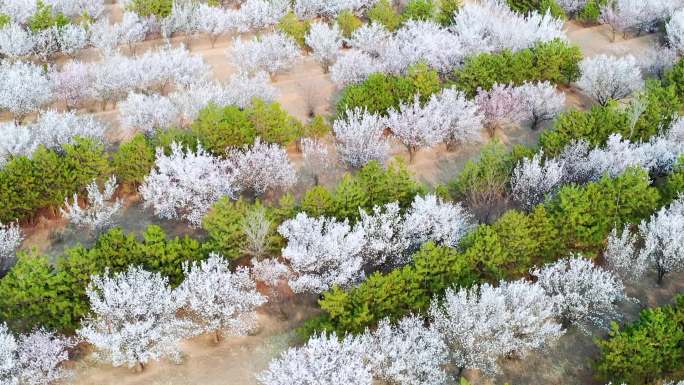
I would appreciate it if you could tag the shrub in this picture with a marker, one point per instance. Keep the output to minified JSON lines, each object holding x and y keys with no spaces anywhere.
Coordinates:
{"x":594,"y":126}
{"x":221,"y":127}
{"x":348,"y":23}
{"x":674,"y":184}
{"x":45,"y":179}
{"x":273,"y":123}
{"x":318,"y":202}
{"x":383,"y":12}
{"x":224,"y":225}
{"x":145,"y":8}
{"x":445,"y":15}
{"x":45,"y":18}
{"x":542,"y":6}
{"x":381,"y":91}
{"x":317,"y":127}
{"x":591,"y":12}
{"x":418,"y":10}
{"x":585,"y":214}
{"x":134,"y":160}
{"x":293,"y":27}
{"x":36,"y":293}
{"x":555,"y":61}
{"x":646,"y":349}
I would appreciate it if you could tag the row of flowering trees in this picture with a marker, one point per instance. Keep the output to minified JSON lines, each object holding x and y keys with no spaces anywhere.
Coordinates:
{"x":468,"y":328}
{"x":27,"y":87}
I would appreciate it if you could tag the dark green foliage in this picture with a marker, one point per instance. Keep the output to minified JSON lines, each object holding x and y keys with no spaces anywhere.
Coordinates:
{"x":273,"y":123}
{"x":663,"y":105}
{"x":318,"y":201}
{"x":675,"y":77}
{"x":45,"y":18}
{"x":645,"y":350}
{"x":594,"y":126}
{"x":223,"y":223}
{"x":381,"y":91}
{"x":36,"y":293}
{"x":555,"y":61}
{"x":160,"y":8}
{"x":293,"y":27}
{"x":383,"y":13}
{"x":542,"y":6}
{"x":674,"y":185}
{"x":317,"y":127}
{"x":5,"y":19}
{"x":584,"y":215}
{"x":372,"y":186}
{"x":222,"y":127}
{"x":445,"y":15}
{"x":348,"y":23}
{"x":418,"y":10}
{"x":591,"y":12}
{"x":134,"y":159}
{"x":47,"y":177}
{"x":219,"y":128}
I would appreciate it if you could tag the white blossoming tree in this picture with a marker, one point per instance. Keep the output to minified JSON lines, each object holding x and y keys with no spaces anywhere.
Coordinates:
{"x":485,"y":323}
{"x":185,"y":184}
{"x":318,"y":159}
{"x":408,"y":353}
{"x":322,"y":252}
{"x":386,"y":241}
{"x":360,"y":138}
{"x":98,"y":214}
{"x":10,"y":239}
{"x":40,"y":355}
{"x":416,"y":126}
{"x":24,"y":87}
{"x":622,"y":256}
{"x":584,"y":294}
{"x":675,"y":30}
{"x":134,"y":318}
{"x":218,"y":299}
{"x":261,"y":167}
{"x":431,"y":219}
{"x":324,"y":359}
{"x":607,"y":77}
{"x":460,"y":119}
{"x":663,"y":236}
{"x":72,"y":83}
{"x":542,"y":101}
{"x":532,"y":181}
{"x":147,"y":112}
{"x":501,"y":105}
{"x":325,"y":41}
{"x":15,"y":41}
{"x":272,"y":53}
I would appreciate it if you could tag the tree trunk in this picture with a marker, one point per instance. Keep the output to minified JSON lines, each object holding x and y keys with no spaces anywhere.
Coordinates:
{"x":139,"y":367}
{"x":217,"y":336}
